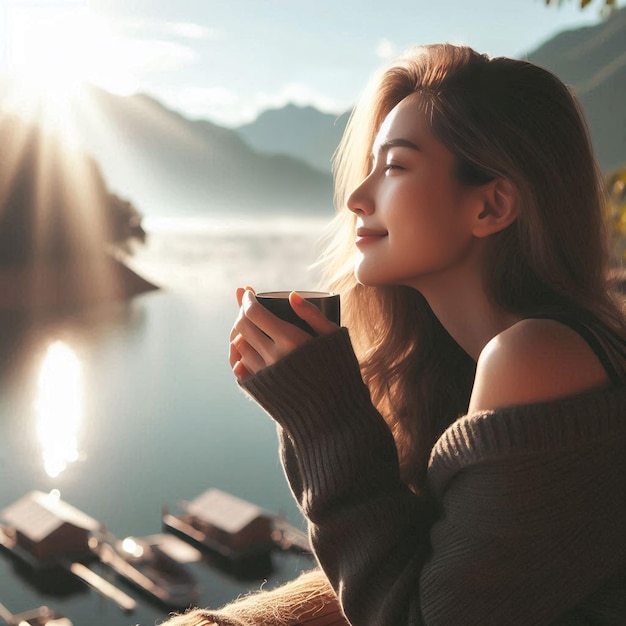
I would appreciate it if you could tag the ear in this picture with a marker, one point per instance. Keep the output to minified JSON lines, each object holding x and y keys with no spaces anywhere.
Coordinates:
{"x":497,"y":208}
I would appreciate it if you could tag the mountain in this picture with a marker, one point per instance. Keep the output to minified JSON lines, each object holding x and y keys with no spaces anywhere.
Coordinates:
{"x":168,"y":165}
{"x":591,"y":59}
{"x":300,"y":132}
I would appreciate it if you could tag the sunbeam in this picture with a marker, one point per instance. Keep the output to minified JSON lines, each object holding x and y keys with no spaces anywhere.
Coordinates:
{"x":60,"y":226}
{"x":56,"y":221}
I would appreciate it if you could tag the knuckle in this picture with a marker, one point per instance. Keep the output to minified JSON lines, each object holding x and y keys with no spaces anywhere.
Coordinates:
{"x":243,"y":348}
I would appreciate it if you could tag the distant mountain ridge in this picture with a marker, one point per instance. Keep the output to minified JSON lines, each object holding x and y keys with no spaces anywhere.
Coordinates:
{"x":591,"y":59}
{"x":300,"y":132}
{"x":181,"y":165}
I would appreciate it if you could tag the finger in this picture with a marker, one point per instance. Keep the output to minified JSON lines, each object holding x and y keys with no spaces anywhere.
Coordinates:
{"x":249,"y":327}
{"x":239,"y":294}
{"x":252,"y":360}
{"x":311,"y":314}
{"x":233,"y":331}
{"x":240,"y":371}
{"x":255,"y":315}
{"x":233,"y":353}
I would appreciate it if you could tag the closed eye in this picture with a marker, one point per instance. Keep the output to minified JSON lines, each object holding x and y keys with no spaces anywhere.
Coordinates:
{"x":392,"y":167}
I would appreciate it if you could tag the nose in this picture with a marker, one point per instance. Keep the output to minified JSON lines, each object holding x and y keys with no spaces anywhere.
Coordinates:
{"x":360,"y":200}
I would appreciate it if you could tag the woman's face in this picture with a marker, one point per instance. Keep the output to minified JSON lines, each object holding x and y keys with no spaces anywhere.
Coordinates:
{"x":413,"y":218}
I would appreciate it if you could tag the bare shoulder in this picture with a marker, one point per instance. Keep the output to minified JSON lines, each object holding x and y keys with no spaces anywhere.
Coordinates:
{"x":532,"y":361}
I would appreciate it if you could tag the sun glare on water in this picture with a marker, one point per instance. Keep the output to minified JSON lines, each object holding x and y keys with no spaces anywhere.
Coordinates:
{"x":59,"y":407}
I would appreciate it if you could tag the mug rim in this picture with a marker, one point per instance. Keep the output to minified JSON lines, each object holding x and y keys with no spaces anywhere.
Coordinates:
{"x":306,"y":294}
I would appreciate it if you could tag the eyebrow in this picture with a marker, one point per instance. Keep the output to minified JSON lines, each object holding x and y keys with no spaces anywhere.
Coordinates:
{"x":397,"y":143}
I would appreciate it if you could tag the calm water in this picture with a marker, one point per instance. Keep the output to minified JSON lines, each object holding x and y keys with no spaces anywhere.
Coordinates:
{"x":126,"y":407}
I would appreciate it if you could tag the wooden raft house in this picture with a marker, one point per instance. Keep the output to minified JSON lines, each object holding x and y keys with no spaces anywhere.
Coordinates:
{"x":45,"y":532}
{"x":225,"y":524}
{"x":47,"y":527}
{"x":233,"y":528}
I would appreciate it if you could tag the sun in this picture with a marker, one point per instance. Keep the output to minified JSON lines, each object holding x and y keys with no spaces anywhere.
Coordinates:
{"x":49,"y":45}
{"x":53,"y":49}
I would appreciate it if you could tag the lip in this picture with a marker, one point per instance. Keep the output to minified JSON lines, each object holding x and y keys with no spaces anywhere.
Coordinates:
{"x":366,"y":236}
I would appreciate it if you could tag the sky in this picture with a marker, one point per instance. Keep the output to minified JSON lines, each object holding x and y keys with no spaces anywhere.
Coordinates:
{"x":228,"y":60}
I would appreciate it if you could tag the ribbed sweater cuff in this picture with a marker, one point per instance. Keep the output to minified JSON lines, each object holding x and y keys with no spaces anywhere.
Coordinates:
{"x":317,"y":395}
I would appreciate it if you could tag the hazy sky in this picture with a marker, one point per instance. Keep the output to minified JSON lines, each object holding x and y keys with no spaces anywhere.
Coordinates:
{"x":225,"y":60}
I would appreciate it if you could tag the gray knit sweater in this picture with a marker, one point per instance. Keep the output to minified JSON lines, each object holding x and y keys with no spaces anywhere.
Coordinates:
{"x":526,"y":525}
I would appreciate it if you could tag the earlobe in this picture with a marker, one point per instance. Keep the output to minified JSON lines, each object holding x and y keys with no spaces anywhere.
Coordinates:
{"x":498,"y":208}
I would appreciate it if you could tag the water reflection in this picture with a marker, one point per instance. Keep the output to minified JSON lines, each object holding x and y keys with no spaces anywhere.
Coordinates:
{"x":59,"y":407}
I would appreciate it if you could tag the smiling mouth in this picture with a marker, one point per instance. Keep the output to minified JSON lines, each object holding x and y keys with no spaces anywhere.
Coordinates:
{"x":365,"y":236}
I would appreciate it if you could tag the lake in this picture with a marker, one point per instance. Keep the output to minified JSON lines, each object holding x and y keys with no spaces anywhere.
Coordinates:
{"x":125,"y":407}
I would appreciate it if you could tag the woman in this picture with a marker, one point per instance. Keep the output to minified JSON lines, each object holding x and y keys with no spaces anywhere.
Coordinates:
{"x":469,"y":467}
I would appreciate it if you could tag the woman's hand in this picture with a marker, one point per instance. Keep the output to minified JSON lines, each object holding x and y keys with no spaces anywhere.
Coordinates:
{"x":259,"y":338}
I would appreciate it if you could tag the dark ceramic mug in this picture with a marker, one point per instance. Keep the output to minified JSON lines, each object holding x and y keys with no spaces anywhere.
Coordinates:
{"x":278,"y":303}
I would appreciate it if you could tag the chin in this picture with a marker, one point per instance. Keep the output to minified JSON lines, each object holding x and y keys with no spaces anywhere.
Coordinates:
{"x":371,"y":275}
{"x":367,"y":273}
{"x":363,"y":278}
{"x":370,"y":281}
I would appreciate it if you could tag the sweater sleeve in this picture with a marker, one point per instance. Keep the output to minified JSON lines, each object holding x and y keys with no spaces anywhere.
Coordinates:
{"x":368,"y":530}
{"x":519,"y":532}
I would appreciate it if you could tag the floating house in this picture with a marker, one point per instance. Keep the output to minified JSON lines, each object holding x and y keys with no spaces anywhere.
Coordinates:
{"x":224,"y":523}
{"x":47,"y":527}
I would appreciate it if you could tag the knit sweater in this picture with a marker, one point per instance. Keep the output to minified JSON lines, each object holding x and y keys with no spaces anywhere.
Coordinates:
{"x":527,"y":523}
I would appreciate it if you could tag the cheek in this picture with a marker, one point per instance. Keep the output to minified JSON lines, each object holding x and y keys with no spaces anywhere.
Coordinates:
{"x":421,"y":222}
{"x":436,"y":233}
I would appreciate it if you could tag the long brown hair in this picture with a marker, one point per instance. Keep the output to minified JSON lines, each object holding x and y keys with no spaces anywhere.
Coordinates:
{"x":501,"y":118}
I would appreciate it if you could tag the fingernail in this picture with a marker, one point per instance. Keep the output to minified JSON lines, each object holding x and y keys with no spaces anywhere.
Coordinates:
{"x":296,"y":297}
{"x":248,"y":288}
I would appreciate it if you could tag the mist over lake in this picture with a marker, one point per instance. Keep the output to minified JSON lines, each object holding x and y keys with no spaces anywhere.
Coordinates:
{"x":220,"y":254}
